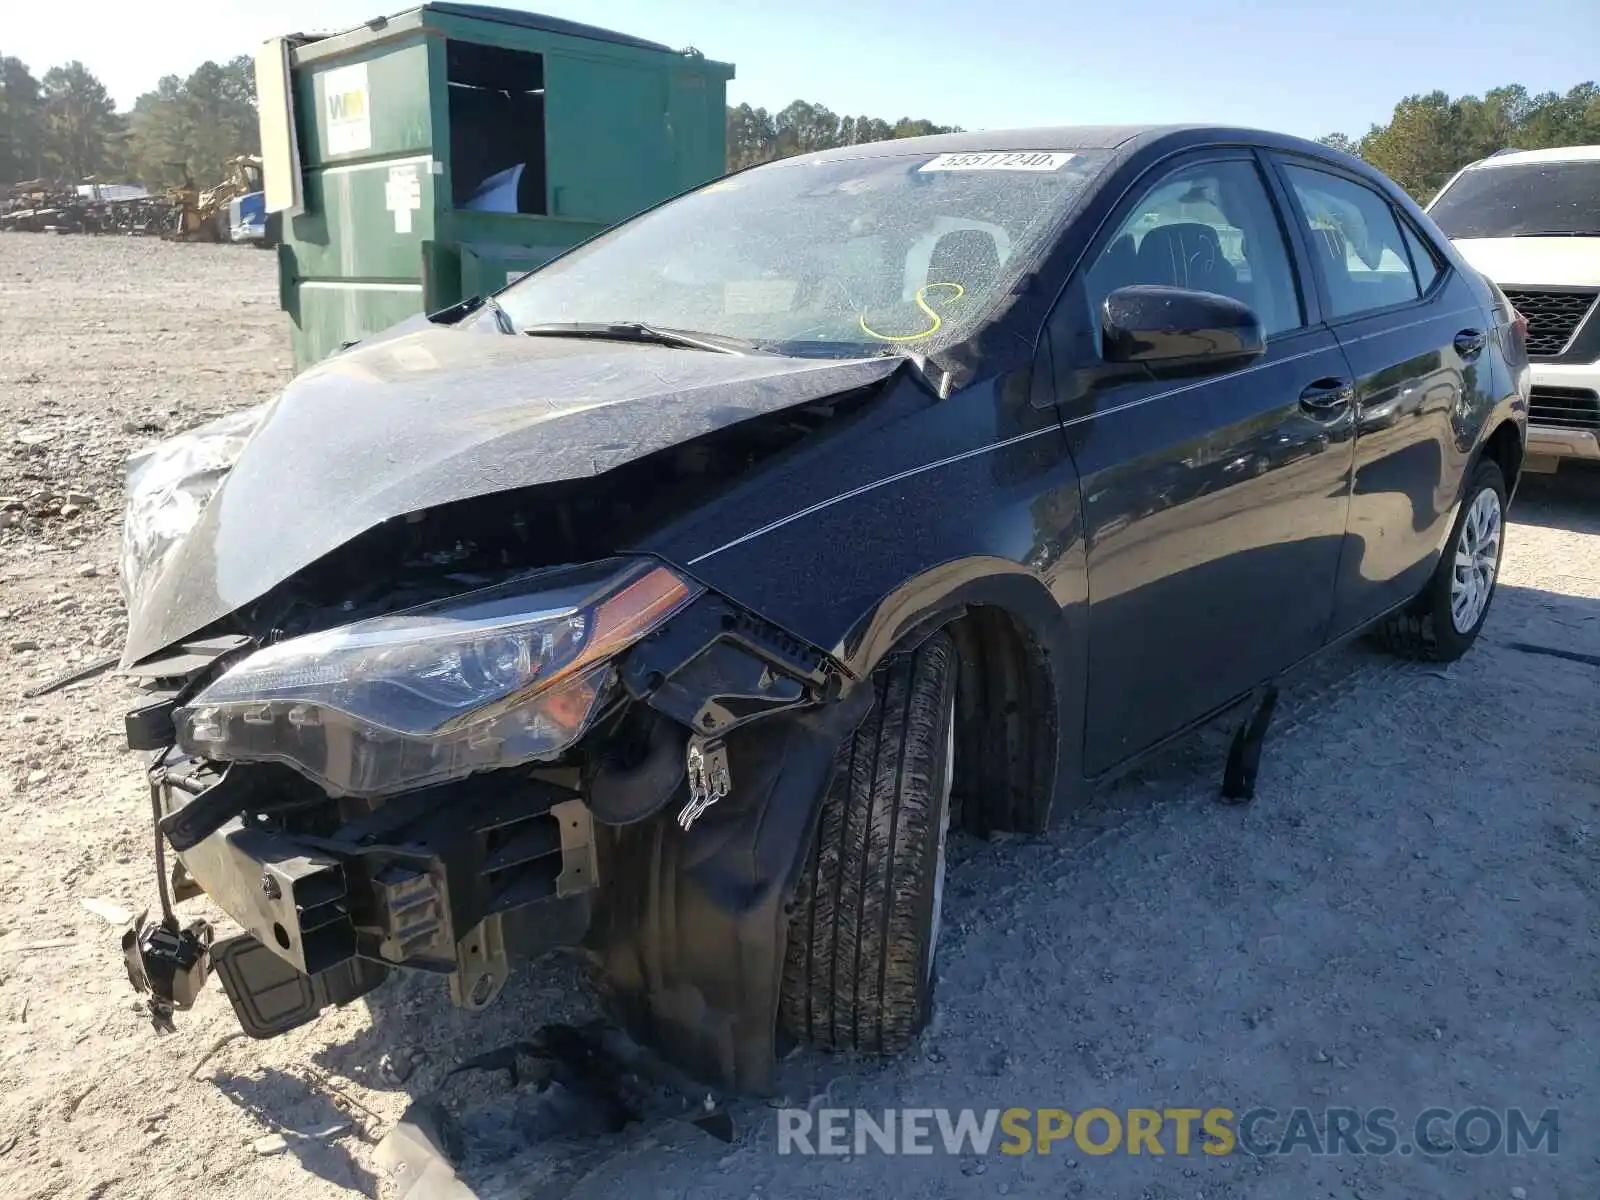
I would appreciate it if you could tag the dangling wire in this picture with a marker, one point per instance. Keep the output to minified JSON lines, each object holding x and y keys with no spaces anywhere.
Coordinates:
{"x":161,"y":852}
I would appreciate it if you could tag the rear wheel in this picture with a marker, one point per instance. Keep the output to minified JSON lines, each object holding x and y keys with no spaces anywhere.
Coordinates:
{"x":1444,"y":620}
{"x":859,"y":968}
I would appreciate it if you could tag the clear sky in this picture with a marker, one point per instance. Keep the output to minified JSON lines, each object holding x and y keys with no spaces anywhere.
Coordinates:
{"x":1302,"y":66}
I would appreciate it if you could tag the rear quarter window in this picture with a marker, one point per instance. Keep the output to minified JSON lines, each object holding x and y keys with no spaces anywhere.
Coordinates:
{"x":1423,"y":259}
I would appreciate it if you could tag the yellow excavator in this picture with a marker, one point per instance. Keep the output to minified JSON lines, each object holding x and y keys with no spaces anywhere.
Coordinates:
{"x":202,"y":216}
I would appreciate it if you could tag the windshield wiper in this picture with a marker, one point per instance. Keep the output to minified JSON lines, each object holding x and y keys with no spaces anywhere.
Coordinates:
{"x":1560,"y":233}
{"x":638,"y":331}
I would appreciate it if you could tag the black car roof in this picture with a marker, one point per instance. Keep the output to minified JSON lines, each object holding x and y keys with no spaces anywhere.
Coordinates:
{"x":1075,"y":137}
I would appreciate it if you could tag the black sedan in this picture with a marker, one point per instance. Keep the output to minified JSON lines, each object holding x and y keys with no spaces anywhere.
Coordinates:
{"x":675,"y":602}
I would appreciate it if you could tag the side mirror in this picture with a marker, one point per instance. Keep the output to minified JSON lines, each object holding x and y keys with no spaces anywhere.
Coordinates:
{"x":1176,"y":330}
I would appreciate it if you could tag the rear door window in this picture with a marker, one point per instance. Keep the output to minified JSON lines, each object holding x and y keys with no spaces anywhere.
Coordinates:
{"x":1357,"y":242}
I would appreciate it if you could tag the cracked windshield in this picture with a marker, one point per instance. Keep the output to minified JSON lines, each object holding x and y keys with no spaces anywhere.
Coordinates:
{"x":844,"y":257}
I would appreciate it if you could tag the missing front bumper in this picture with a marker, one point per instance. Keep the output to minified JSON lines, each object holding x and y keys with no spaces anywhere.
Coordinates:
{"x":689,"y":926}
{"x":456,"y":880}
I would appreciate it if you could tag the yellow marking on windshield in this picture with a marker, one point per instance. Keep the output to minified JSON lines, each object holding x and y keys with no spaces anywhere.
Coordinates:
{"x":922,"y":303}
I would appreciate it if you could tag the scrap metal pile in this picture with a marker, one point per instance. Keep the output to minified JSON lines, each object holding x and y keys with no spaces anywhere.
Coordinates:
{"x":39,"y":206}
{"x":183,"y":212}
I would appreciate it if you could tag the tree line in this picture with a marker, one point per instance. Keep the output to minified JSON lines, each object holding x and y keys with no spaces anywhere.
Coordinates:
{"x":64,"y":127}
{"x":757,"y":136}
{"x":1430,"y":137}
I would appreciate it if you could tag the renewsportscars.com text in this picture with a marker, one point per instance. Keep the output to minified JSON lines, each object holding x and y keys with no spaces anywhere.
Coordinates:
{"x":1178,"y":1131}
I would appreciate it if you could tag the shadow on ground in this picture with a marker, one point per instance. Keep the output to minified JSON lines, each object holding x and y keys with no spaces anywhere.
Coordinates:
{"x":307,"y":1121}
{"x":1568,"y":499}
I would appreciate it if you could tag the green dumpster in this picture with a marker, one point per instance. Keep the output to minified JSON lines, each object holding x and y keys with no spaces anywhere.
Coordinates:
{"x":433,"y":155}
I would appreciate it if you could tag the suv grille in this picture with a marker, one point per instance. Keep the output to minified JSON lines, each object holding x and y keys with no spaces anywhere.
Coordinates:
{"x":1564,"y":407}
{"x":1553,"y":317}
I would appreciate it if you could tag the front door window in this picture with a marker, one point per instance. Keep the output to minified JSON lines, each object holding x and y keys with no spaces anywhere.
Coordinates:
{"x":1211,"y":227}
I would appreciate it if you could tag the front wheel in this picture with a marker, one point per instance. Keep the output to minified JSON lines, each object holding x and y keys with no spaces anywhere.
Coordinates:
{"x":1443,"y":622}
{"x":858,"y":972}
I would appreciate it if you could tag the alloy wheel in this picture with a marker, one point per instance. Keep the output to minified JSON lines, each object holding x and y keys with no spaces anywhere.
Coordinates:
{"x":1477,"y":560}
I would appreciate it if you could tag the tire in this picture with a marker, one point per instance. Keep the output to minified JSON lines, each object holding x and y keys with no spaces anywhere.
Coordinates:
{"x":858,"y":970}
{"x":1428,"y":629}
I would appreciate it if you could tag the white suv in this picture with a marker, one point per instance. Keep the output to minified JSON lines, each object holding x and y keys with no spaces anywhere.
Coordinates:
{"x":1530,"y":221}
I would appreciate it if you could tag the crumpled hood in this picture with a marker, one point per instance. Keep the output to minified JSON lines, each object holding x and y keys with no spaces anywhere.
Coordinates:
{"x":440,"y":415}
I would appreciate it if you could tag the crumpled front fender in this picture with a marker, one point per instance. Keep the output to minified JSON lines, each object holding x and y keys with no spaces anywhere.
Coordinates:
{"x":693,"y":930}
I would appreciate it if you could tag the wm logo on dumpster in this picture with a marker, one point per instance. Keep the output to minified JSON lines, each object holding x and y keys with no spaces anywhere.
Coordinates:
{"x":347,"y":106}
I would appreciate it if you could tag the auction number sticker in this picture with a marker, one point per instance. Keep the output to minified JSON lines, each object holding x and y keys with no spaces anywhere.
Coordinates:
{"x":1000,"y":160}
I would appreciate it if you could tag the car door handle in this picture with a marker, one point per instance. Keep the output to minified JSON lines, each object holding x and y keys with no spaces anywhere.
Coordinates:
{"x":1469,"y":343}
{"x":1326,"y":396}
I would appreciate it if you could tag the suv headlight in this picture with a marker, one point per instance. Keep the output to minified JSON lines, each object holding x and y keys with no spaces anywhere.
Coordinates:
{"x":505,"y":675}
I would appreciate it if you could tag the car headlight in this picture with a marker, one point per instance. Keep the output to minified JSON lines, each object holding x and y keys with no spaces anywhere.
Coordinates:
{"x":506,"y":675}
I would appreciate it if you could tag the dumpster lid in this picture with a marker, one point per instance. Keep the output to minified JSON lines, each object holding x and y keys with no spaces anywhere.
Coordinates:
{"x":530,"y":20}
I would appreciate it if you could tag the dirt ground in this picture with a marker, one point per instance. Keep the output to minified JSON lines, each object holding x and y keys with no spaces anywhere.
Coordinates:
{"x":1408,"y":916}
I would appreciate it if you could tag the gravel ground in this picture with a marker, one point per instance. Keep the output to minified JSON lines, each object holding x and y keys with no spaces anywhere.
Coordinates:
{"x":1408,"y":917}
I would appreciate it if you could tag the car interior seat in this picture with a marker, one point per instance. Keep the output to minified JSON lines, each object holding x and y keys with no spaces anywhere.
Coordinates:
{"x":969,"y":257}
{"x":1186,"y":254}
{"x":1332,"y":253}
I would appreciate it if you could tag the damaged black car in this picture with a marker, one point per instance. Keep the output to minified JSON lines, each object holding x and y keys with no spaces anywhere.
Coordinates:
{"x":677,"y":601}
